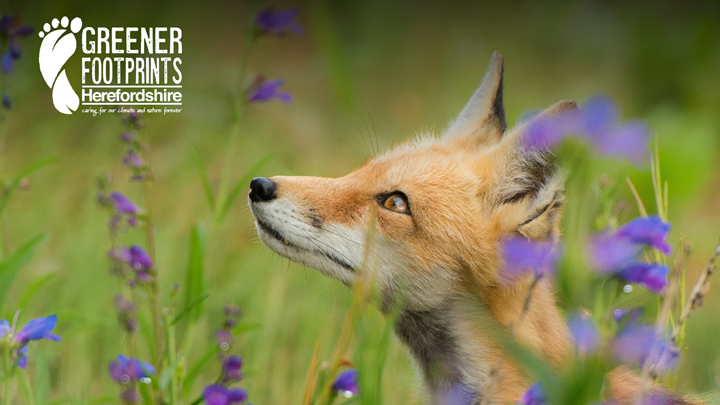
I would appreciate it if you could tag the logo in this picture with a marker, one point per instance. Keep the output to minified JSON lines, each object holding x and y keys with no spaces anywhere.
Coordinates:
{"x":124,"y":69}
{"x":55,"y":50}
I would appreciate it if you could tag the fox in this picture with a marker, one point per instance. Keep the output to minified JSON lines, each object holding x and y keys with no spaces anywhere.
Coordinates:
{"x":438,"y":208}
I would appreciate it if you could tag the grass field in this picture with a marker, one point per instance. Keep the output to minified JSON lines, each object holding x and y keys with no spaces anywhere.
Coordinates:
{"x":364,"y":75}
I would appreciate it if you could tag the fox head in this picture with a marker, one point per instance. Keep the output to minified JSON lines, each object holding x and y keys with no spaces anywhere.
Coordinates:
{"x":437,"y":207}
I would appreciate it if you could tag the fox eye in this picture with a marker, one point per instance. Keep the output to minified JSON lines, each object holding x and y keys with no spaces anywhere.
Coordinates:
{"x":395,"y":202}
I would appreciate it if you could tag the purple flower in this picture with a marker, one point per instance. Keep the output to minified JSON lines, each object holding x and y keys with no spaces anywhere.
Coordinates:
{"x":262,"y":90}
{"x":585,"y":333}
{"x":619,"y":314}
{"x":347,"y":383}
{"x":127,"y":137}
{"x":628,"y":140}
{"x":217,"y":394}
{"x":521,"y":255}
{"x":12,"y":29}
{"x":22,"y":361}
{"x":6,"y":22}
{"x":126,"y":314}
{"x":667,"y":357}
{"x":600,"y":113}
{"x":651,"y":231}
{"x":632,"y":315}
{"x":126,"y":369}
{"x":224,"y":339}
{"x":37,"y":329}
{"x":120,"y":253}
{"x":535,"y":395}
{"x":233,"y":311}
{"x":140,"y":259}
{"x":4,"y":327}
{"x":658,"y":397}
{"x":615,"y":252}
{"x":129,"y":395}
{"x":133,"y":160}
{"x":650,"y":275}
{"x":457,"y":394}
{"x":6,"y":101}
{"x":641,"y":343}
{"x":231,"y":369}
{"x":598,"y":123}
{"x":548,"y":131}
{"x":6,"y":63}
{"x":132,"y":120}
{"x":124,"y":204}
{"x":280,"y":23}
{"x":608,"y":251}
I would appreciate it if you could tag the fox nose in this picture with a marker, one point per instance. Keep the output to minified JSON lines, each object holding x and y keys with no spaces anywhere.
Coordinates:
{"x":262,"y":189}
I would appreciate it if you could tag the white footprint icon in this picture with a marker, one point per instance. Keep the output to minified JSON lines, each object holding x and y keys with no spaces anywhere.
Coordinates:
{"x":55,"y":50}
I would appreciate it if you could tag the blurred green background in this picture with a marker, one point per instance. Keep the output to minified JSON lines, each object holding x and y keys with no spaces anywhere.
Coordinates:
{"x":364,"y":72}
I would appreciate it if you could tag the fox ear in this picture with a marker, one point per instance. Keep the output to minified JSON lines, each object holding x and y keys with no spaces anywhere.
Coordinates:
{"x":528,"y":186}
{"x":482,"y":121}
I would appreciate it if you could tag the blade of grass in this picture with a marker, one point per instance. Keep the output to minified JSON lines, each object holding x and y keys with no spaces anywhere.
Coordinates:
{"x":657,"y":182}
{"x":311,"y":378}
{"x":41,"y":381}
{"x":32,"y":290}
{"x":197,"y":368}
{"x":202,"y":171}
{"x":145,"y":394}
{"x":186,"y":311}
{"x":27,"y":391}
{"x":246,"y":327}
{"x":243,"y":182}
{"x":16,"y":181}
{"x":10,"y":268}
{"x":195,"y":281}
{"x":641,"y":206}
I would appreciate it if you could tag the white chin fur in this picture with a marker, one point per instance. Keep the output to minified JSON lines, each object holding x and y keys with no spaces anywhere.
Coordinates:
{"x":334,"y":251}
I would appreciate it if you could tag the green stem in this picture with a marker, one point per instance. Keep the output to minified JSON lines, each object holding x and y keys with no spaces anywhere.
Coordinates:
{"x":4,"y":248}
{"x":8,"y":392}
{"x":154,"y":290}
{"x":172,"y":355}
{"x":26,"y":387}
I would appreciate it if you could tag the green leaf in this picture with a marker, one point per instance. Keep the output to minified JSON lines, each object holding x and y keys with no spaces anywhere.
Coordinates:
{"x":239,"y":186}
{"x":26,"y":390}
{"x":10,"y":268}
{"x":197,"y":368}
{"x":246,"y":327}
{"x":207,"y":187}
{"x":16,"y":181}
{"x":32,"y":289}
{"x":42,"y":378}
{"x":185,"y":311}
{"x":195,"y":281}
{"x":166,"y":375}
{"x":197,"y":401}
{"x":105,"y":399}
{"x":147,"y":332}
{"x":146,"y":394}
{"x":66,"y":401}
